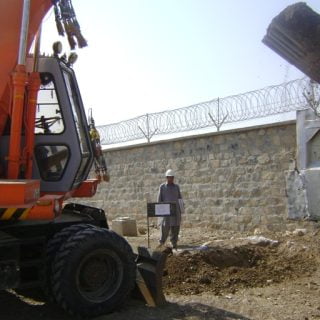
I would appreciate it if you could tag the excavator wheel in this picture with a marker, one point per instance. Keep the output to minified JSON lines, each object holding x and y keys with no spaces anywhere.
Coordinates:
{"x":53,"y":247}
{"x":93,"y":272}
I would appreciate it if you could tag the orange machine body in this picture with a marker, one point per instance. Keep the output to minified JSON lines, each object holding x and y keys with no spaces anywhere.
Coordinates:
{"x":10,"y":24}
{"x":18,"y":94}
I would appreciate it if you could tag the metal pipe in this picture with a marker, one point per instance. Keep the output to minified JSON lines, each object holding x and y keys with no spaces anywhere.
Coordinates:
{"x":37,"y":49}
{"x":24,"y":32}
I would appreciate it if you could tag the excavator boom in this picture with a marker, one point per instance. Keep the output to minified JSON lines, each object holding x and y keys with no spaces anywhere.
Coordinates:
{"x":10,"y":26}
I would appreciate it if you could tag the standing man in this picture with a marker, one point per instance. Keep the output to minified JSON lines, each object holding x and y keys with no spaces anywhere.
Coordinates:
{"x":169,"y":191}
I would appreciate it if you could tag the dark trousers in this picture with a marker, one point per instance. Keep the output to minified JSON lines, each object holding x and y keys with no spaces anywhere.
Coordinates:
{"x":165,"y":229}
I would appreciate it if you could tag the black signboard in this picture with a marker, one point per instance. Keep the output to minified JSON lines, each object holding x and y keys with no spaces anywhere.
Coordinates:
{"x":161,"y":209}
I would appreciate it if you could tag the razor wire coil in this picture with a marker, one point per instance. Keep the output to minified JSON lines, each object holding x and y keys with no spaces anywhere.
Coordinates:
{"x":272,"y":100}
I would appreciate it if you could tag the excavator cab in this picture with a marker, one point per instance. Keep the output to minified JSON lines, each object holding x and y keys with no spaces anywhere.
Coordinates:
{"x":63,"y":154}
{"x":62,"y":150}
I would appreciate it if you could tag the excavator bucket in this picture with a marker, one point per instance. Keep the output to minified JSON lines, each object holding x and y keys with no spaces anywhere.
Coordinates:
{"x":150,"y":267}
{"x":294,"y":34}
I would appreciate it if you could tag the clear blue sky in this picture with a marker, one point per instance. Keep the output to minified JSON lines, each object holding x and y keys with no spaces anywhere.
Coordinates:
{"x":147,"y":56}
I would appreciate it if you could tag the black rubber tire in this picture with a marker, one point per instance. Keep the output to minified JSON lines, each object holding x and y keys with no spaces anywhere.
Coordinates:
{"x":93,"y":272}
{"x":53,"y":247}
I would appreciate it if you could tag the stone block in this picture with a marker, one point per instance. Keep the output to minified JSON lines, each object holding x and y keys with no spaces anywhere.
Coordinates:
{"x":267,"y":175}
{"x":125,"y":226}
{"x":215,"y":163}
{"x":255,"y":192}
{"x":261,"y":132}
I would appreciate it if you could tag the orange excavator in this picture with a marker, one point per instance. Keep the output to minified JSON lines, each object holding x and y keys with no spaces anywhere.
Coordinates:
{"x":46,"y":154}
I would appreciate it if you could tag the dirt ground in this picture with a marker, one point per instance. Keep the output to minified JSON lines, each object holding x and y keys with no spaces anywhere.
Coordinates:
{"x":217,"y":275}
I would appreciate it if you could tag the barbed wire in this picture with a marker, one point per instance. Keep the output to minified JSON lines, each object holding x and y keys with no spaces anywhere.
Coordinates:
{"x":272,"y":100}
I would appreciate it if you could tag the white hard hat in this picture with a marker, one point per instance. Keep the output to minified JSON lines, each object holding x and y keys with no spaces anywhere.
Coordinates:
{"x":169,"y":173}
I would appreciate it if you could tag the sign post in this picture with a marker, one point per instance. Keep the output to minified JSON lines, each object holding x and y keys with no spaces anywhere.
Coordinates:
{"x":159,"y":209}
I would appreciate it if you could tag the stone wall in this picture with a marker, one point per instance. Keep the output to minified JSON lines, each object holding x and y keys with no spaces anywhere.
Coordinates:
{"x":233,"y":180}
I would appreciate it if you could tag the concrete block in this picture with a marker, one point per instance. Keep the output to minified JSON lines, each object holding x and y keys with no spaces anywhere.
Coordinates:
{"x":125,"y":226}
{"x":312,"y":178}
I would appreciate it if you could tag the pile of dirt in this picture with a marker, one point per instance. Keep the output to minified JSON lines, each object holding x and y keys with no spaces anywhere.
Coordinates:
{"x":226,"y":270}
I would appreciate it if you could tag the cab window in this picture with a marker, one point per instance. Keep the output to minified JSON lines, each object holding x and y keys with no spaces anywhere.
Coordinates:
{"x":52,"y":161}
{"x":48,"y":114}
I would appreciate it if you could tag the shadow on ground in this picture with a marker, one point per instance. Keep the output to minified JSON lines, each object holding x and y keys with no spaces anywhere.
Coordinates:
{"x":18,"y":307}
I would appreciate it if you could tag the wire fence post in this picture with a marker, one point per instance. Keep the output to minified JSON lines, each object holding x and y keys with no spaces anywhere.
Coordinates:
{"x":148,"y":135}
{"x":217,"y":122}
{"x":312,"y":97}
